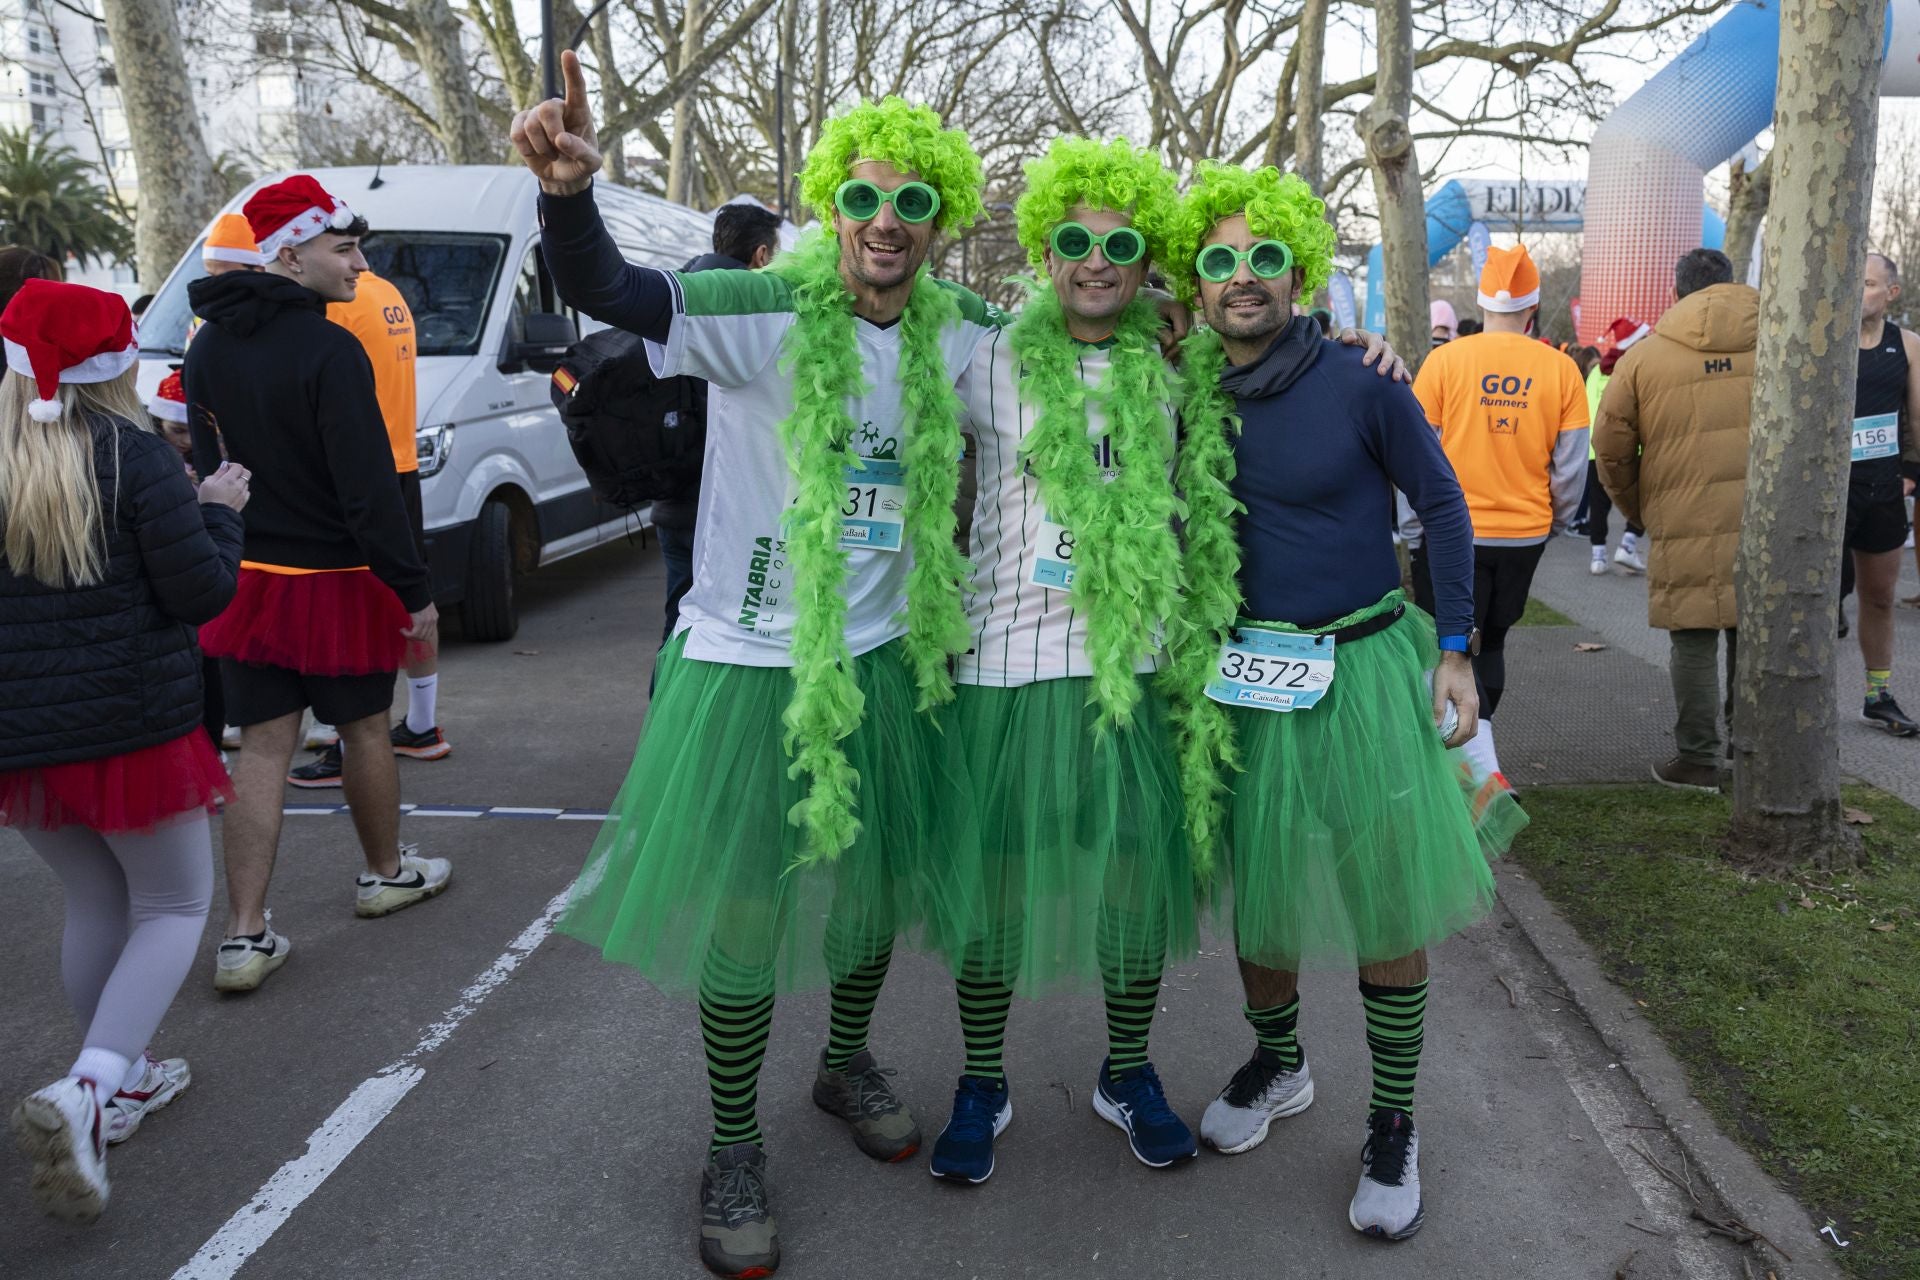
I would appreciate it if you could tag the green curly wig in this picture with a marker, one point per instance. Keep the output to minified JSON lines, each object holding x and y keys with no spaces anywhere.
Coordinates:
{"x":1101,"y":175}
{"x":1278,"y":207}
{"x":909,"y":138}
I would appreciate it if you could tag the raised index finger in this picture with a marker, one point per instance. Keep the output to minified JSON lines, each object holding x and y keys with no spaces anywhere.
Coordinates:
{"x":576,"y":81}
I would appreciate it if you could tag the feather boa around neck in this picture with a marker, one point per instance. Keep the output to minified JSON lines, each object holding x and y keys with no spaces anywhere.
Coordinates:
{"x":821,"y":357}
{"x":1126,"y":557}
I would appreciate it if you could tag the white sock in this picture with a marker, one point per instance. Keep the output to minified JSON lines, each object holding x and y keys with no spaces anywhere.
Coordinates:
{"x":135,"y":1074}
{"x":102,"y":1066}
{"x":1600,"y":553}
{"x":1479,"y":750}
{"x":422,"y":694}
{"x":1628,"y":543}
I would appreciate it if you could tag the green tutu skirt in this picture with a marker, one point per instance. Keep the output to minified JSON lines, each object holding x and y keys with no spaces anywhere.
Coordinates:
{"x":1352,"y":832}
{"x":697,"y":878}
{"x":1083,"y":837}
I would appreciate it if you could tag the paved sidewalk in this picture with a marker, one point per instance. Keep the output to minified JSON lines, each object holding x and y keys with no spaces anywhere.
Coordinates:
{"x":1608,"y":716}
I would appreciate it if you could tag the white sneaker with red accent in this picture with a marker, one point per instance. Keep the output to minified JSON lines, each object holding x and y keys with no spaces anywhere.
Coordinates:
{"x":61,"y":1129}
{"x":164,"y":1080}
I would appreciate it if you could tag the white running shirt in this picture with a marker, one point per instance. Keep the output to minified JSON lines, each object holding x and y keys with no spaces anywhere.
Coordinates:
{"x":728,"y":327}
{"x":1023,"y":631}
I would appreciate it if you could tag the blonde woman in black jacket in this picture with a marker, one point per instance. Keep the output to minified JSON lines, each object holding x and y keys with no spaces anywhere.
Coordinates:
{"x":108,"y":558}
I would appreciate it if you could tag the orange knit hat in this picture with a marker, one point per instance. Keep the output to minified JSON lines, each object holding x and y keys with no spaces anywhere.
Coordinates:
{"x":231,"y":240}
{"x":1509,"y":282}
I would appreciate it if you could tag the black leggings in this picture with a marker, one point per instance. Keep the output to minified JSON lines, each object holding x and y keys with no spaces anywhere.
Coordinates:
{"x":1502,"y":576}
{"x":1600,"y":507}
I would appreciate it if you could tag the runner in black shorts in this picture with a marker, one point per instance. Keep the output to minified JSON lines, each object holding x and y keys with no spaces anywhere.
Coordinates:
{"x":1886,"y":392}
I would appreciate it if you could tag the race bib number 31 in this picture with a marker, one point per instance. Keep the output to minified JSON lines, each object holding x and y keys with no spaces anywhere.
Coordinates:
{"x":1053,"y":558}
{"x":873,"y":518}
{"x":1876,"y":436}
{"x":1272,"y":670}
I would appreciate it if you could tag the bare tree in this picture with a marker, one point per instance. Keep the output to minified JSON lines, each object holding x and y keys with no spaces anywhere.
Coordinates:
{"x":1396,"y":176}
{"x":1748,"y":191}
{"x":1786,"y":753}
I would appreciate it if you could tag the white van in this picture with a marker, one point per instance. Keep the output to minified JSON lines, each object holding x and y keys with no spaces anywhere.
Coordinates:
{"x":500,"y":488}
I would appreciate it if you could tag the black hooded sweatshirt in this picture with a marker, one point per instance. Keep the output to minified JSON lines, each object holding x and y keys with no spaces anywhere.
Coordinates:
{"x":291,"y":395}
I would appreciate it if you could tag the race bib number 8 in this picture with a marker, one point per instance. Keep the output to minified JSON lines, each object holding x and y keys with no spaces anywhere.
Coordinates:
{"x":1876,"y":436}
{"x":873,"y":518}
{"x":1053,"y":558}
{"x":1272,"y":670}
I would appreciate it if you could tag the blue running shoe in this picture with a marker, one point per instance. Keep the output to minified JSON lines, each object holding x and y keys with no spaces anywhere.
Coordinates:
{"x":982,"y":1109}
{"x":1138,"y":1104}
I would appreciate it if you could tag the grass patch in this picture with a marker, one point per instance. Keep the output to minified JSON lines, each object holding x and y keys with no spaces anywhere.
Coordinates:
{"x":1795,"y":1015}
{"x":1543,"y":615}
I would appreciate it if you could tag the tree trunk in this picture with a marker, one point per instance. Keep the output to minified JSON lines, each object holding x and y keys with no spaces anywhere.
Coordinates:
{"x":1396,"y":182}
{"x":178,"y":190}
{"x":613,"y":147}
{"x":1748,"y":191}
{"x":680,"y":158}
{"x":1311,"y":40}
{"x":1786,"y":752}
{"x":822,"y":69}
{"x":461,"y":126}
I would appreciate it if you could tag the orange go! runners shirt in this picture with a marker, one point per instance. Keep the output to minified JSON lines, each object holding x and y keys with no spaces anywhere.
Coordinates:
{"x":1500,"y":402}
{"x":378,"y":316}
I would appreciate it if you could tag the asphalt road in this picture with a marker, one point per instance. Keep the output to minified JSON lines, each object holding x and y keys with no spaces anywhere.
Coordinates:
{"x":451,"y":1093}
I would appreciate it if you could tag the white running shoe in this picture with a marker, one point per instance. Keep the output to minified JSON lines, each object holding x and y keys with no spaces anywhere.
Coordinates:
{"x":1598,"y":565}
{"x":164,"y":1081}
{"x":1386,"y":1205}
{"x":417,"y":880}
{"x":1628,"y":554}
{"x":62,"y":1130}
{"x":242,"y":963}
{"x":321,"y":736}
{"x":1260,"y":1092}
{"x":229,"y":738}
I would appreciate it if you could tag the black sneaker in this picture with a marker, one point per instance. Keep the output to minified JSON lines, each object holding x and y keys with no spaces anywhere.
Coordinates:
{"x":1884,"y":713}
{"x":323,"y":771}
{"x":431,"y":745}
{"x":738,"y":1237}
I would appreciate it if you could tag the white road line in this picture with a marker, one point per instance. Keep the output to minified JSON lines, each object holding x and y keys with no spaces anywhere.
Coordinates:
{"x":545,"y":813}
{"x":328,"y":1146}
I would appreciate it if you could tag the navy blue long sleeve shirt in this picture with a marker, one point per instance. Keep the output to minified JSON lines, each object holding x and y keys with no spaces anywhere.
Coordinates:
{"x":1324,"y":442}
{"x":591,"y":276}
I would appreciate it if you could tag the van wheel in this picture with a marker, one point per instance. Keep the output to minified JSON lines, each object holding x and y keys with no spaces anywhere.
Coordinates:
{"x":489,"y":612}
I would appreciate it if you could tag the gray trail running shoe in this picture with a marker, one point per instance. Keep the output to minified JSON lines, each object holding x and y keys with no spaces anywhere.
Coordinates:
{"x":1387,"y":1205}
{"x":860,"y":1095}
{"x":737,"y":1233}
{"x":1260,"y":1092}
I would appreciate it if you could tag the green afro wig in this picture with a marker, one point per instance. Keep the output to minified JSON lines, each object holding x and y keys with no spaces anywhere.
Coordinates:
{"x":1278,"y":207}
{"x":1101,"y":175}
{"x":909,"y":138}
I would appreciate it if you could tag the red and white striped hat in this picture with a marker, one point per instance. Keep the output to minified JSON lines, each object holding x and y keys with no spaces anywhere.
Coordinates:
{"x":66,"y":333}
{"x":1624,"y":332}
{"x":169,"y":399}
{"x":293,"y":211}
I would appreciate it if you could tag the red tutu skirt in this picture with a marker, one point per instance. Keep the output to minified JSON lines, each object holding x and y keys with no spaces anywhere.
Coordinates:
{"x":135,"y":791}
{"x":319,"y":624}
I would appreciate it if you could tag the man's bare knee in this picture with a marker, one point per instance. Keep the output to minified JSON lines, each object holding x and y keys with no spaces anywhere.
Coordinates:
{"x":1407,"y":971}
{"x":1267,"y":988}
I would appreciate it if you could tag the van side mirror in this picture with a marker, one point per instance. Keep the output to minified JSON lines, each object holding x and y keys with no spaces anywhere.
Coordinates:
{"x":544,"y":340}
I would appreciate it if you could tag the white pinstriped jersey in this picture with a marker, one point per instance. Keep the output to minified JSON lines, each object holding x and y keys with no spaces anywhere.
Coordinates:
{"x":1023,"y":631}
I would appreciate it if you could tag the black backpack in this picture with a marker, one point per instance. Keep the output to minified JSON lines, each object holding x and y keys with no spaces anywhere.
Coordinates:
{"x":637,"y":436}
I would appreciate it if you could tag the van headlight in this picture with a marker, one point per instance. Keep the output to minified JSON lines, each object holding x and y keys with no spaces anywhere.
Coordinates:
{"x":435,"y":445}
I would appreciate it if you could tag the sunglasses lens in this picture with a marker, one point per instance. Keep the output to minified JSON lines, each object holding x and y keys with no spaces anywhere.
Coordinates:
{"x":1072,"y":241}
{"x":860,"y":200}
{"x":915,"y":202}
{"x":1269,"y":258}
{"x":1125,"y":247}
{"x":1217,"y":263}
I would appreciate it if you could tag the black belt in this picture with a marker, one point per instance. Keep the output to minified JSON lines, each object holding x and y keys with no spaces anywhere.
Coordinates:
{"x":1358,"y":631}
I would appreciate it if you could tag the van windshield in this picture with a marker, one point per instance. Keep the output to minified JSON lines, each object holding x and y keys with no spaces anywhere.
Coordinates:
{"x":447,"y":278}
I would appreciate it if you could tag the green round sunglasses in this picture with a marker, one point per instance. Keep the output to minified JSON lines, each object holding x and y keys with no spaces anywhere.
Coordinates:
{"x":1266,"y":259}
{"x":1123,"y":246}
{"x":913,"y":202}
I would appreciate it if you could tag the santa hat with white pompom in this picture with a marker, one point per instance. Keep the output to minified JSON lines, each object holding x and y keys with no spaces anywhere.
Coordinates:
{"x":66,"y":333}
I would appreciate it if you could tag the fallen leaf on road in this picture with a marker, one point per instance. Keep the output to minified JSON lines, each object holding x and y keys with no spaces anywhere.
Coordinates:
{"x":1885,"y":926}
{"x":1858,"y":817}
{"x":526,"y":653}
{"x":1807,"y":903}
{"x":1588,"y":646}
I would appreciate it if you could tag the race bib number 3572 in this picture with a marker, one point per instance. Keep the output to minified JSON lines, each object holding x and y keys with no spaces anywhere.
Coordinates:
{"x":873,"y":517}
{"x":1272,"y":670}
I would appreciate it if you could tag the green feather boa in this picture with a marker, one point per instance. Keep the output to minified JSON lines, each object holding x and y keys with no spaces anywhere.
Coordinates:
{"x":1127,"y":559}
{"x":822,"y":357}
{"x":1203,"y":732}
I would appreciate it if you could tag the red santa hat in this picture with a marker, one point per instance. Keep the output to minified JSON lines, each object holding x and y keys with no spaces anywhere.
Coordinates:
{"x":66,"y":333}
{"x":1624,"y":332}
{"x":293,"y":211}
{"x":170,"y":399}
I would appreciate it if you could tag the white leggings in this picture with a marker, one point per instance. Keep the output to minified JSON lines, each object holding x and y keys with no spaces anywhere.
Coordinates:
{"x":136,"y":906}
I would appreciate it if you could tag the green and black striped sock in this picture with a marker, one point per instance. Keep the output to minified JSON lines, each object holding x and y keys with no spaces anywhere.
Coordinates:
{"x":1131,"y":955}
{"x":985,"y":999}
{"x":1395,"y":1025}
{"x":1277,"y":1030}
{"x":735,"y":1028}
{"x":851,"y":1009}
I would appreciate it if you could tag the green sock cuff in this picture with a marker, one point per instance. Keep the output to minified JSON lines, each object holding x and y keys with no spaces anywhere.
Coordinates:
{"x":1877,"y":681}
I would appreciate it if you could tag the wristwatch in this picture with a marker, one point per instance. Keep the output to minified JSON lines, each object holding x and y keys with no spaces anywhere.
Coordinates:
{"x":1468,"y":644}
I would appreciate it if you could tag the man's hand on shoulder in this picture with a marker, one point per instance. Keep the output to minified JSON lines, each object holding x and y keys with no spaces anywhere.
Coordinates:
{"x":1378,"y":349}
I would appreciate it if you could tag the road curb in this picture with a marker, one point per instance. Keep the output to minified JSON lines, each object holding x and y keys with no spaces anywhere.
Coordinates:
{"x":1726,"y":1166}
